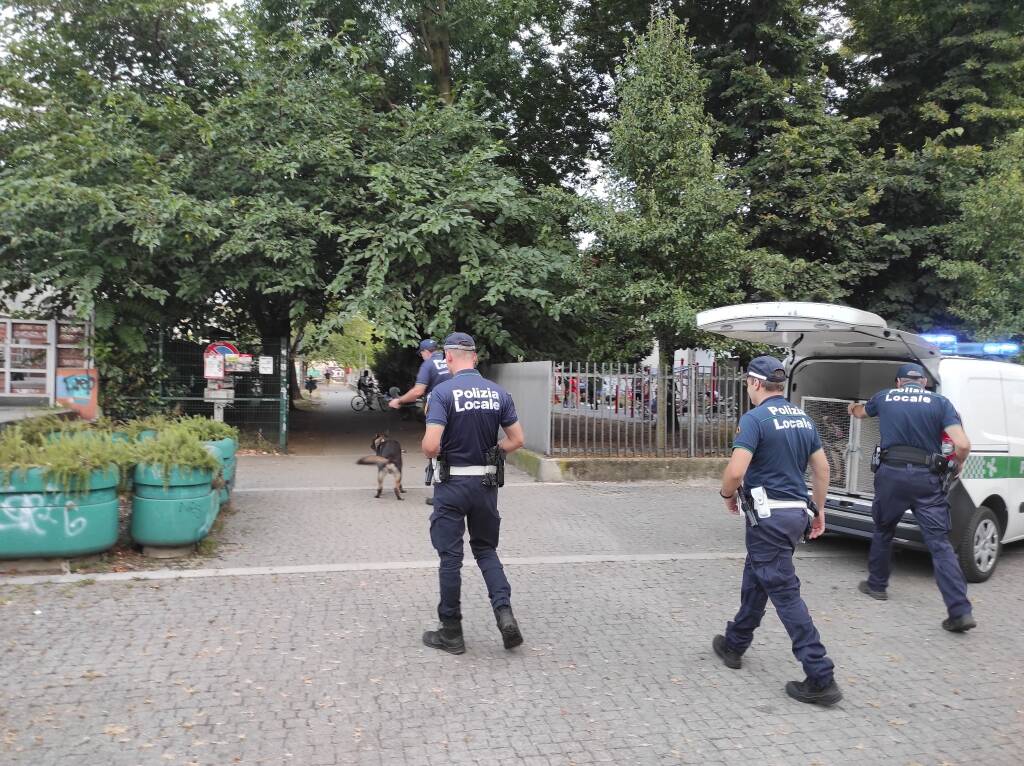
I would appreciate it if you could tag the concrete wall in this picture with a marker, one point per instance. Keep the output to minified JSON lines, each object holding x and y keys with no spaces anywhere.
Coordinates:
{"x":530,"y":385}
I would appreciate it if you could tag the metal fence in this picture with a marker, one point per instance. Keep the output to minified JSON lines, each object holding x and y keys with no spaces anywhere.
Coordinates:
{"x":260,"y":405}
{"x":611,"y":410}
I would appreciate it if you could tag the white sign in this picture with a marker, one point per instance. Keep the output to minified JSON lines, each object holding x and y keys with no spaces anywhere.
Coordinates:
{"x":213,"y":366}
{"x":266,"y":365}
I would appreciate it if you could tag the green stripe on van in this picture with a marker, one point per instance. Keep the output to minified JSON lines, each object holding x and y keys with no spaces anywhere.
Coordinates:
{"x":994,"y":467}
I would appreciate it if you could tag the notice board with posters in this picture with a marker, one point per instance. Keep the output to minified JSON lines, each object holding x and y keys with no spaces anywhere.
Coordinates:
{"x":33,"y":350}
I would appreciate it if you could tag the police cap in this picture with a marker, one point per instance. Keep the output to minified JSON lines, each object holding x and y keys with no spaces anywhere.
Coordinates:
{"x":910,"y":371}
{"x":767,"y":368}
{"x":459,"y":341}
{"x":428,"y":344}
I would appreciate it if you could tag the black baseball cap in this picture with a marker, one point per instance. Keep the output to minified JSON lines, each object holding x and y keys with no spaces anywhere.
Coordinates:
{"x":460,"y":341}
{"x":910,"y":371}
{"x":767,"y":368}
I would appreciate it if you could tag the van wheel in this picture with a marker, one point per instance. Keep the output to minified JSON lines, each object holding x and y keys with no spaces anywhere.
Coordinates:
{"x":980,"y":545}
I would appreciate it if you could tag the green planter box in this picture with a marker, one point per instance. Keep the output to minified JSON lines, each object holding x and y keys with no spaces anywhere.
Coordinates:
{"x":224,"y":450}
{"x":39,"y":519}
{"x":178,"y":511}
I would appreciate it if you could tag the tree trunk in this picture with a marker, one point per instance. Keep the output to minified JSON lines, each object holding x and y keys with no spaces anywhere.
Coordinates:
{"x":273,"y":320}
{"x":433,"y":22}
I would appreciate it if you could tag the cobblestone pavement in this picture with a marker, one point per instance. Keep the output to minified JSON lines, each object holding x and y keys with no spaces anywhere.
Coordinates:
{"x":326,"y":667}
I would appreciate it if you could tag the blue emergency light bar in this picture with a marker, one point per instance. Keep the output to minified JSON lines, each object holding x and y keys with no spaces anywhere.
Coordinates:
{"x":950,"y":344}
{"x":1001,"y":349}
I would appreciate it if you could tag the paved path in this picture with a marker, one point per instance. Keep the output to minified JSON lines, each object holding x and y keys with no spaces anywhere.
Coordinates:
{"x":619,"y":589}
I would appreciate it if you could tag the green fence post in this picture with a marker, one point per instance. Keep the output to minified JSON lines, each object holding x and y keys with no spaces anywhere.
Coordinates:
{"x":283,"y":430}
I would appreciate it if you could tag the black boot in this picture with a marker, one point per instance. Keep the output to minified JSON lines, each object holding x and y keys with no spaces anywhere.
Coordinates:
{"x":960,"y":624}
{"x":864,"y":588}
{"x":448,"y":637}
{"x":729,"y":658}
{"x":510,"y":635}
{"x":809,"y":692}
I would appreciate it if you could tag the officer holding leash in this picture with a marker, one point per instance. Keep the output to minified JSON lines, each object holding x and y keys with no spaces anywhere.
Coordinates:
{"x":462,"y":439}
{"x":911,"y":472}
{"x":774,"y":443}
{"x":433,"y":370}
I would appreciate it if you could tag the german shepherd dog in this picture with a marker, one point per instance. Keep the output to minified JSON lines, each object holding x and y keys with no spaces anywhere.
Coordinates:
{"x":388,"y":459}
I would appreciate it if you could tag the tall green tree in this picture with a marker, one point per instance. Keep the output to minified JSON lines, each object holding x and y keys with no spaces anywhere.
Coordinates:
{"x":808,"y":175}
{"x":510,"y":56}
{"x":282,"y":196}
{"x":945,"y":81}
{"x":667,"y":243}
{"x":986,"y":260}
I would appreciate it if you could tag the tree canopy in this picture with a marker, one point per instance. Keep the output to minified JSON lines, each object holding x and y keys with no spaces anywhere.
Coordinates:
{"x":428,"y":164}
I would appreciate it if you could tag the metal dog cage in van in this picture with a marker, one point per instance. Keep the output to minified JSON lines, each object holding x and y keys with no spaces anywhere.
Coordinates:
{"x":848,"y":444}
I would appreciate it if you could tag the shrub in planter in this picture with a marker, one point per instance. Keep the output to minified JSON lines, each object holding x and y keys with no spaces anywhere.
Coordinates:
{"x":222,"y":438}
{"x":175,"y":502}
{"x":59,"y":498}
{"x":148,"y":427}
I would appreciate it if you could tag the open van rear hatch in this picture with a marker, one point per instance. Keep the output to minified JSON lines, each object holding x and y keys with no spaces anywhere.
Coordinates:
{"x":819,"y":330}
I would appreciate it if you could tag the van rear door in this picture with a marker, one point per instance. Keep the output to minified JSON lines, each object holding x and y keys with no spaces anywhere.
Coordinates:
{"x":819,"y":330}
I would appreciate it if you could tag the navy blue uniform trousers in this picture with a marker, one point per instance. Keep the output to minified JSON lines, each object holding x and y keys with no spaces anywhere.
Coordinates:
{"x":898,"y":488}
{"x":769,"y":574}
{"x":460,"y":502}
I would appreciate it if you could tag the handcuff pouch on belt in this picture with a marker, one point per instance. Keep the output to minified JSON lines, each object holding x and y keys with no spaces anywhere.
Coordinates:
{"x":495,"y":457}
{"x":444,"y":469}
{"x":747,"y":506}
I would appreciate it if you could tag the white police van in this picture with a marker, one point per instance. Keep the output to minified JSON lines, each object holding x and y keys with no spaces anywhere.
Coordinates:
{"x":838,"y":355}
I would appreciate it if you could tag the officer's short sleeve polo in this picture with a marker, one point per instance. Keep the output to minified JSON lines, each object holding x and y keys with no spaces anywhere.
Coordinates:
{"x":440,"y":407}
{"x":950,"y":417}
{"x":423,"y":376}
{"x":748,"y":434}
{"x":871,"y":406}
{"x":508,"y":413}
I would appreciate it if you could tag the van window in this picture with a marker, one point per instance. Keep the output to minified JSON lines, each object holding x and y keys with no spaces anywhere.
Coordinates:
{"x":984,"y":414}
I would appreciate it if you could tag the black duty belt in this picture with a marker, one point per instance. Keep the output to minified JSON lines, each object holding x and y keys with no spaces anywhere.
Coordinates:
{"x":901,"y":454}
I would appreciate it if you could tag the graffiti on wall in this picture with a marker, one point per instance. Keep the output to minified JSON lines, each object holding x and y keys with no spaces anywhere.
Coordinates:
{"x":78,"y":390}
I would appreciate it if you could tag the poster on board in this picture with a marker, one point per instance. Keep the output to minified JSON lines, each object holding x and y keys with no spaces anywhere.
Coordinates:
{"x":213,"y":366}
{"x":78,"y":390}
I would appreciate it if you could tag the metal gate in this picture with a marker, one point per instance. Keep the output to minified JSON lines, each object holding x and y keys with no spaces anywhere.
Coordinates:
{"x":848,"y":443}
{"x":259,"y":407}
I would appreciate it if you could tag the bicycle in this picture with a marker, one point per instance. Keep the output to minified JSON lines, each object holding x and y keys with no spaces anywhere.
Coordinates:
{"x":363,"y":400}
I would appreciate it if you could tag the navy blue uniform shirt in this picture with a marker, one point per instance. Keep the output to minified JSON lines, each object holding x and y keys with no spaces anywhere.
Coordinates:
{"x":432,"y":372}
{"x":781,"y":438}
{"x":912,"y":416}
{"x":470,"y":408}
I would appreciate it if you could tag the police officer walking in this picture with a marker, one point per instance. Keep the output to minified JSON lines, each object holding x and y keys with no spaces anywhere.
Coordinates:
{"x":774,"y":443}
{"x":909,"y":474}
{"x":433,"y":370}
{"x":462,"y":434}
